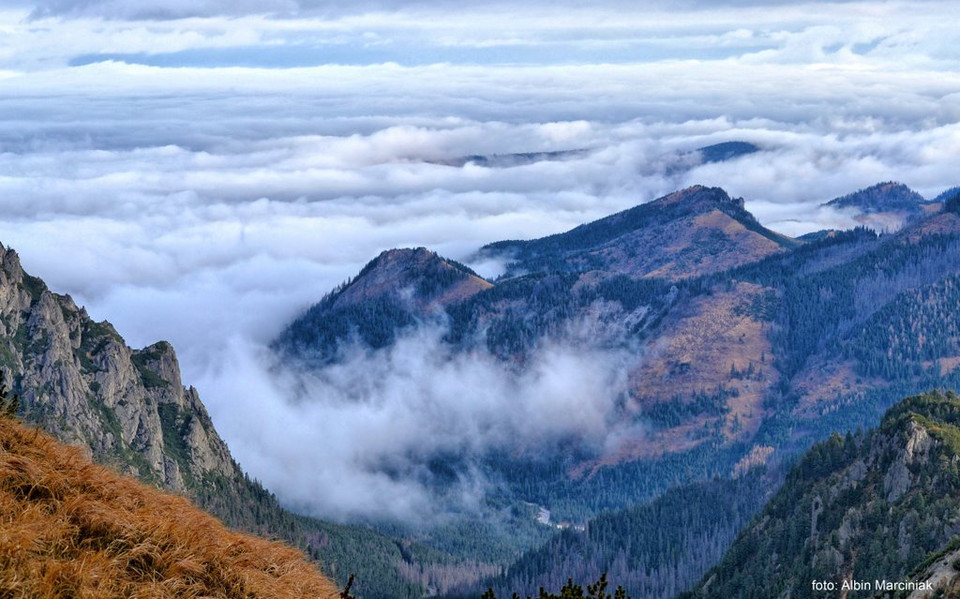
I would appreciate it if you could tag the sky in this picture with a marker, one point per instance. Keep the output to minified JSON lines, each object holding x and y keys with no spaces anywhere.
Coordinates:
{"x":202,"y":171}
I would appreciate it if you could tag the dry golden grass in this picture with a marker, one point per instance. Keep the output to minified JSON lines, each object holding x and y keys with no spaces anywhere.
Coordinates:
{"x":69,"y":528}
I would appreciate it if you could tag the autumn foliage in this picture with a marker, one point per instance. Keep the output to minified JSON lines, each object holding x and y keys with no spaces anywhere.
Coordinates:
{"x":69,"y":528}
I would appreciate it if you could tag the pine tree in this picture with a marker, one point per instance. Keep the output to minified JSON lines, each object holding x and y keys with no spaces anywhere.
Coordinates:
{"x":9,"y":402}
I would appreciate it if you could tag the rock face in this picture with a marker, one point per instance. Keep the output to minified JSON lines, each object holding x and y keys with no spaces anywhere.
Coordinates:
{"x":79,"y":380}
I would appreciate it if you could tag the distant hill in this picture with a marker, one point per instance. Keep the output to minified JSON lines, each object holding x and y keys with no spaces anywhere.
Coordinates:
{"x":513,"y":159}
{"x":886,"y":206}
{"x":880,"y":506}
{"x":688,"y":233}
{"x":71,"y":528}
{"x":728,"y":150}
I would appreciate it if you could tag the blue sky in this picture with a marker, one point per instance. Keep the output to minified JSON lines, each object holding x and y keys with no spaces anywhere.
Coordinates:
{"x":200,"y":171}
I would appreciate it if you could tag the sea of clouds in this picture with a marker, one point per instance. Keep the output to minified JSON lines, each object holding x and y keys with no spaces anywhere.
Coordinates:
{"x":202,"y":172}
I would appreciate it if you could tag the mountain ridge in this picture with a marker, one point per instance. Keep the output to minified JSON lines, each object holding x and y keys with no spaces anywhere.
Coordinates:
{"x":694,"y":230}
{"x":733,"y":368}
{"x":870,"y":507}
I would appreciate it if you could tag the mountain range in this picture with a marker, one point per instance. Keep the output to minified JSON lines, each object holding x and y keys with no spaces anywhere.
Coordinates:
{"x":745,"y":346}
{"x":740,"y":349}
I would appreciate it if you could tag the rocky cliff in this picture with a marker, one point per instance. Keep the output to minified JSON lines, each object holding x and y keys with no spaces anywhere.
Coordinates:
{"x":79,"y":380}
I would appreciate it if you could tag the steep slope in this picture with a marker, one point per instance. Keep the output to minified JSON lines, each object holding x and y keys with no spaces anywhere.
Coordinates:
{"x":396,"y":290}
{"x":685,"y":234}
{"x":79,"y":380}
{"x":856,"y":508}
{"x":876,"y":326}
{"x":75,"y":529}
{"x":653,"y":550}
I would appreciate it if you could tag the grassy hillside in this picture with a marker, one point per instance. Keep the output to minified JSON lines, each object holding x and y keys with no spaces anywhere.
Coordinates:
{"x":74,"y":529}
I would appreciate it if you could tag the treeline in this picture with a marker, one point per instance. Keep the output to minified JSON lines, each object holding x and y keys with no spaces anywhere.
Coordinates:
{"x":655,"y":550}
{"x":590,"y":491}
{"x":243,"y":504}
{"x":571,"y":590}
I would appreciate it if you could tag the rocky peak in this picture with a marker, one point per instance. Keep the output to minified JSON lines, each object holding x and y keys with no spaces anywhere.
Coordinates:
{"x":79,"y":380}
{"x":11,"y":263}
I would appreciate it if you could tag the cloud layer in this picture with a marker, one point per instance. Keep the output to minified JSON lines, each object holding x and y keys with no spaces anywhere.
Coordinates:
{"x":201,"y":172}
{"x":356,"y":439}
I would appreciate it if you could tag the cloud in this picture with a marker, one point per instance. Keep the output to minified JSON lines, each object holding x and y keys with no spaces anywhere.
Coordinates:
{"x":352,"y":440}
{"x":283,"y":33}
{"x":153,"y":168}
{"x":175,"y":9}
{"x":214,"y":237}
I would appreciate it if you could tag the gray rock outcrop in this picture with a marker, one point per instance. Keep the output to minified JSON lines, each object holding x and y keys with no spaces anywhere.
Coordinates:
{"x":78,"y":380}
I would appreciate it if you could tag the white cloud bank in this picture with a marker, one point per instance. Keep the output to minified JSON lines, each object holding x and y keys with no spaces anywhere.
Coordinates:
{"x":208,"y":205}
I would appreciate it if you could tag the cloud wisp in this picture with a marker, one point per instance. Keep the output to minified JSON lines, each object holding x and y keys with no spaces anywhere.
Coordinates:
{"x":357,"y":436}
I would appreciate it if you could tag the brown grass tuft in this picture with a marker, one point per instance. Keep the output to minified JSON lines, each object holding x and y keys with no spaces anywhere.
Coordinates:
{"x":72,"y":529}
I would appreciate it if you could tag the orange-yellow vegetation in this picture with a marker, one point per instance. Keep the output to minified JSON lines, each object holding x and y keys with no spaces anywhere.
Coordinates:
{"x":69,"y":528}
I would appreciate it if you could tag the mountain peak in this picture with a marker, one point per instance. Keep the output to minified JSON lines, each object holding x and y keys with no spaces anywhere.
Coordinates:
{"x":394,"y":290}
{"x":700,"y":197}
{"x":686,"y":233}
{"x":419,"y":254}
{"x":421,"y":275}
{"x":889,"y":195}
{"x":886,"y":206}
